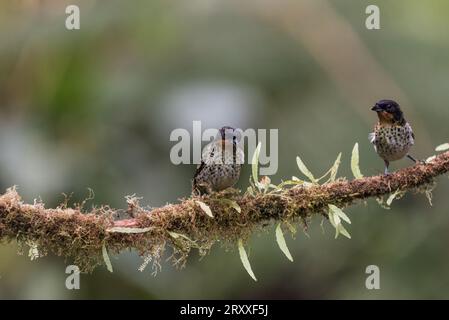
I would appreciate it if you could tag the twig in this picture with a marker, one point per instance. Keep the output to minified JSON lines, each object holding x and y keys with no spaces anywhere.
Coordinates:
{"x":79,"y":236}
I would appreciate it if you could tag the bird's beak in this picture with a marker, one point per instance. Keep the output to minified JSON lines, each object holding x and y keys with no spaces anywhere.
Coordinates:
{"x":377,"y":108}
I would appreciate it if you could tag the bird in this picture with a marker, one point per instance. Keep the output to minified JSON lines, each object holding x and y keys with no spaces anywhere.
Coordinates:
{"x":393,"y":136}
{"x":221,"y":163}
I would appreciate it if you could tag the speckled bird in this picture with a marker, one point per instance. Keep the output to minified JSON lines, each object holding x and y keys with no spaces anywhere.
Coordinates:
{"x":221,"y":163}
{"x":393,"y":136}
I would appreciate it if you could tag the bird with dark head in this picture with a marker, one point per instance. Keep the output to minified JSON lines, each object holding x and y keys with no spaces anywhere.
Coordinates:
{"x":221,"y":162}
{"x":393,"y":136}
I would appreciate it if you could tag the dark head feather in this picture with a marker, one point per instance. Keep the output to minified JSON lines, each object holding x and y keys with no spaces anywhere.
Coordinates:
{"x":391,"y":107}
{"x":229,"y":133}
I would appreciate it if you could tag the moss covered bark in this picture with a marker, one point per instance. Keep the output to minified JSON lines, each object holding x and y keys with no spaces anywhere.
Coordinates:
{"x":79,"y":236}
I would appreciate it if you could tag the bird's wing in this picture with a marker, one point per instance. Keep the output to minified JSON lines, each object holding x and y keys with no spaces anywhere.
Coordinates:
{"x":199,"y":168}
{"x":372,"y":137}
{"x":196,"y":188}
{"x":208,"y":152}
{"x":409,"y":127}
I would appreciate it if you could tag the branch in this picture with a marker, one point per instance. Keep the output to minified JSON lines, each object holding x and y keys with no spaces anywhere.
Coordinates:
{"x":80,"y":236}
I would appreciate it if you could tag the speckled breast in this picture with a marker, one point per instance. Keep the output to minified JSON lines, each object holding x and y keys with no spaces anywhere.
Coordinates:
{"x":393,"y":142}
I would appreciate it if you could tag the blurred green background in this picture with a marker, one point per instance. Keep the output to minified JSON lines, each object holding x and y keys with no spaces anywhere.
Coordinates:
{"x":94,"y":108}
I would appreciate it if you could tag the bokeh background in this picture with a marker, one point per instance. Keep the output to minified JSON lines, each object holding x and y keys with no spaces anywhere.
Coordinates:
{"x":94,"y":108}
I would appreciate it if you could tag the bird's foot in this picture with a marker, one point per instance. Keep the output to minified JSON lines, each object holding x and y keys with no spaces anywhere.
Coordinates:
{"x":416,"y":161}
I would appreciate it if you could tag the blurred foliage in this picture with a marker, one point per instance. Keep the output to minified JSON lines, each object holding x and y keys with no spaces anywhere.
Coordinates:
{"x":94,"y":109}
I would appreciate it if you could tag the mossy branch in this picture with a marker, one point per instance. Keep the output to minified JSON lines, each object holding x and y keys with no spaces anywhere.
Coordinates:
{"x":80,"y":236}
